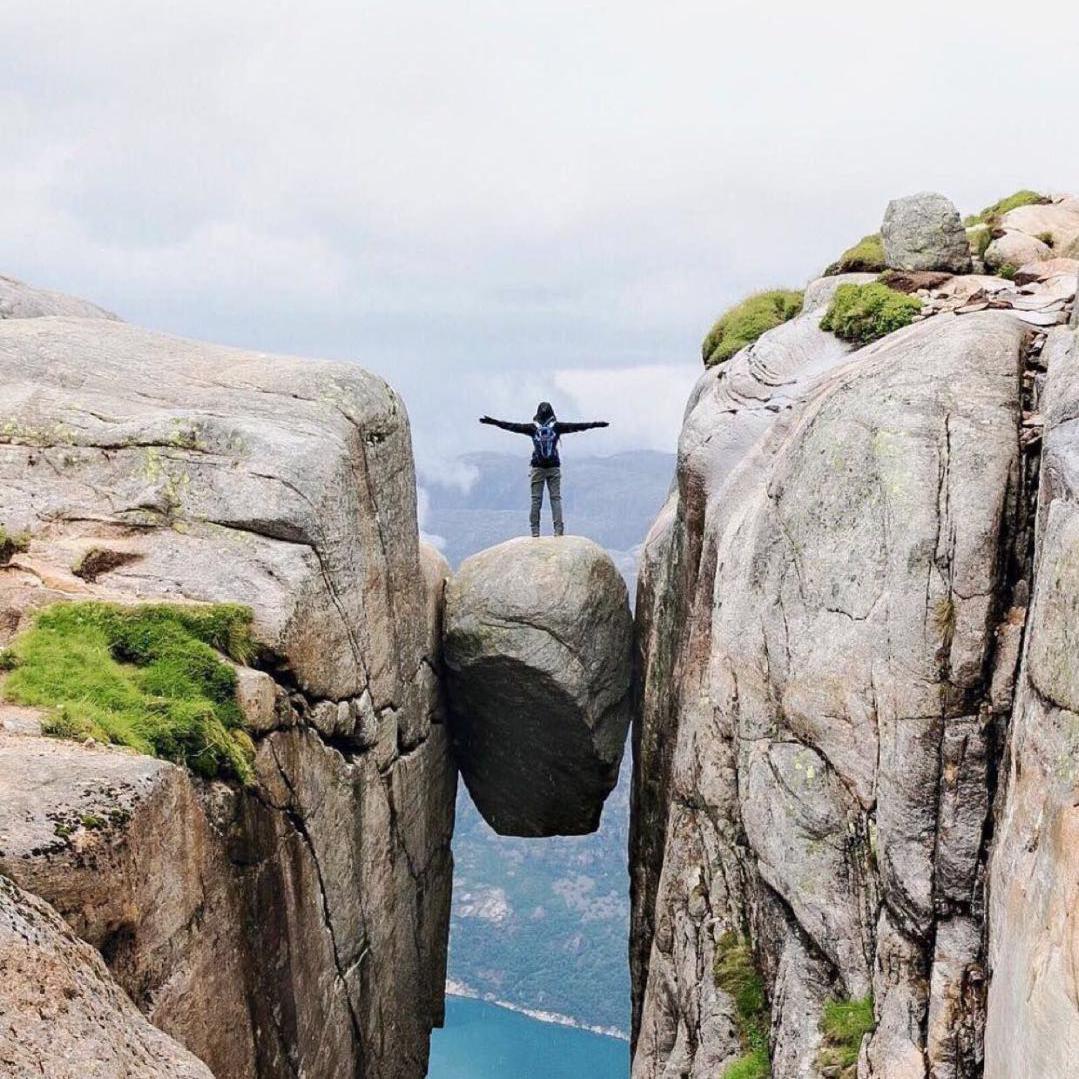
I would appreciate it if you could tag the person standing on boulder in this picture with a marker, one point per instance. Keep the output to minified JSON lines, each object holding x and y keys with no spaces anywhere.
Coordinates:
{"x":545,"y":431}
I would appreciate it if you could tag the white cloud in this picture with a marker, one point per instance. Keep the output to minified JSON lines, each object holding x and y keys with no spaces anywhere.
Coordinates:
{"x":423,"y":513}
{"x":449,"y":472}
{"x":472,"y":198}
{"x":644,"y":405}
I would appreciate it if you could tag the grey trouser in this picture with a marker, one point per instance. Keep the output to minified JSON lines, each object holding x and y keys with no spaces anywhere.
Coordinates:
{"x":553,"y":478}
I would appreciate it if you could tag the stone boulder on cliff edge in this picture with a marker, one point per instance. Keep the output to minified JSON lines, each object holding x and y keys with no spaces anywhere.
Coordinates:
{"x":537,"y":651}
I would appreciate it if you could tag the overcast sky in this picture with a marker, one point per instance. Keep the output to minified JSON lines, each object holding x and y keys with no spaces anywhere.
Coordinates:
{"x":492,"y":202}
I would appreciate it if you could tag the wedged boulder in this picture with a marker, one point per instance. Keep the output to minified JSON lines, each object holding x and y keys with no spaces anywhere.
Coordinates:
{"x":924,"y":232}
{"x":537,"y":655}
{"x":61,"y":1013}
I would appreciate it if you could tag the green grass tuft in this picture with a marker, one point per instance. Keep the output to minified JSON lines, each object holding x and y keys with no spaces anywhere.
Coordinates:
{"x":863,"y":313}
{"x":150,"y":677}
{"x":1007,"y":270}
{"x":843,"y":1025}
{"x":866,"y":256}
{"x":753,"y":1065}
{"x":745,"y":322}
{"x":991,"y":214}
{"x":736,"y":974}
{"x":979,"y":237}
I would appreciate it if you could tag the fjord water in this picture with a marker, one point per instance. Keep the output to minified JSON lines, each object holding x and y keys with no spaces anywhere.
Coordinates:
{"x":484,"y":1041}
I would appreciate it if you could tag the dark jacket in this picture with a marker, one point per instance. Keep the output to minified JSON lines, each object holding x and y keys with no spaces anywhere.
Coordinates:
{"x":530,"y":429}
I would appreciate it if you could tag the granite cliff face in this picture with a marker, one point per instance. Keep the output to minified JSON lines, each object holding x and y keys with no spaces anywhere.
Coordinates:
{"x":295,"y":926}
{"x":833,"y":771}
{"x":1033,"y":1018}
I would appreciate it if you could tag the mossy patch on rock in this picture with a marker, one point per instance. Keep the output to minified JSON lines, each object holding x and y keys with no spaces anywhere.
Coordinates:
{"x":736,"y":974}
{"x":844,"y":1024}
{"x":742,"y":324}
{"x":979,"y":236}
{"x":151,"y":677}
{"x":864,"y":313}
{"x":866,"y":256}
{"x":11,"y":544}
{"x":994,"y":212}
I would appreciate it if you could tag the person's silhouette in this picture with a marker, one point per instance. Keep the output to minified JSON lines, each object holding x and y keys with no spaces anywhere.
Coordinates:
{"x":545,"y":430}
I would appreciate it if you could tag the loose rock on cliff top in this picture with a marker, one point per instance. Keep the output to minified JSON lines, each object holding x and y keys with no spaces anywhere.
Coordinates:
{"x":537,"y":651}
{"x":923,"y":232}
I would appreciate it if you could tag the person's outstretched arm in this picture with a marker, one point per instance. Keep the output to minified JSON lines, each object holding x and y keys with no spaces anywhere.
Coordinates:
{"x":507,"y":425}
{"x":571,"y":428}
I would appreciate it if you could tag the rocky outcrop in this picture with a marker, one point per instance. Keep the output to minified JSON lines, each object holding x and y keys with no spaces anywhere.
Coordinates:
{"x":1015,"y":249}
{"x":828,"y":624}
{"x":61,"y":1013}
{"x":1033,"y":1021}
{"x":122,"y":846}
{"x":19,"y":300}
{"x":924,"y":232}
{"x":537,"y":653}
{"x":308,"y":913}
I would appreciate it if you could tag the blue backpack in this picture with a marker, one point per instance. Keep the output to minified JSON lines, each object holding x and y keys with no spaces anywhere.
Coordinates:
{"x":544,"y":438}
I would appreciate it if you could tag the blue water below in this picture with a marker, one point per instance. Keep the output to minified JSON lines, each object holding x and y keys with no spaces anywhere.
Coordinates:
{"x":484,"y":1041}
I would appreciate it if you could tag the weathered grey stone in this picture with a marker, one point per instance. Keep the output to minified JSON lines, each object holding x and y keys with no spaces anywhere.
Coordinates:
{"x":924,"y":232}
{"x":296,"y":474}
{"x":1015,"y":249}
{"x":727,"y":416}
{"x":803,"y":981}
{"x":122,"y":847}
{"x":1032,"y":1027}
{"x":61,"y":1013}
{"x":816,"y":617}
{"x":19,"y":300}
{"x":258,"y":697}
{"x":1047,"y":270}
{"x":1058,"y":222}
{"x":901,"y":1001}
{"x":956,"y":1025}
{"x":537,"y":653}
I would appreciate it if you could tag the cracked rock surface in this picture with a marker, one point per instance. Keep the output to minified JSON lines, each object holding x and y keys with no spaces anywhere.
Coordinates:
{"x":823,"y":606}
{"x":297,"y":927}
{"x":1033,"y":1021}
{"x":537,"y":652}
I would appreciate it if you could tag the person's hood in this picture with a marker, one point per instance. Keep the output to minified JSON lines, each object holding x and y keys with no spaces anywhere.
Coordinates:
{"x":544,"y":412}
